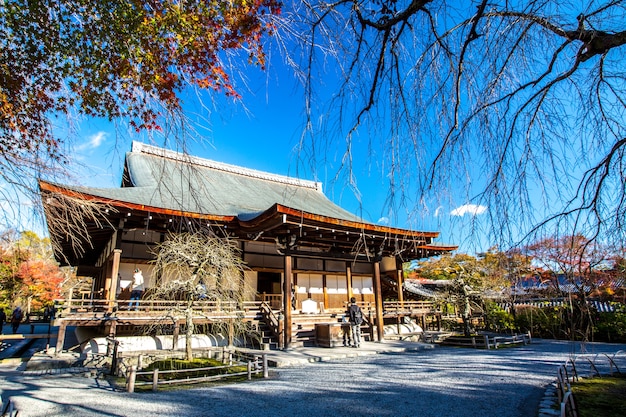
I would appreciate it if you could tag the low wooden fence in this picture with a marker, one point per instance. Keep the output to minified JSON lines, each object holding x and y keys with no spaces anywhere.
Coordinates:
{"x":568,"y":374}
{"x":487,"y":341}
{"x":255,"y":364}
{"x":565,"y":374}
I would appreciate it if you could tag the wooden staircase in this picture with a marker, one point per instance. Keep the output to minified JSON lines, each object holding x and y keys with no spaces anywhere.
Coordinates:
{"x":302,"y":327}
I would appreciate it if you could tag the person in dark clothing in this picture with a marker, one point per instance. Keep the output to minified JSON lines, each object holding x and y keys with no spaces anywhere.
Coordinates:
{"x":3,"y":319}
{"x":356,"y":319}
{"x":16,"y":318}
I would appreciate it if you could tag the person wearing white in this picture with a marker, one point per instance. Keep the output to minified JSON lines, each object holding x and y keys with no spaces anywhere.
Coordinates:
{"x":136,"y":289}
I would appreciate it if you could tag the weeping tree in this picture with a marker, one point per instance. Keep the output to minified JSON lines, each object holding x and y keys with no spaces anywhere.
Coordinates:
{"x":198,"y":266}
{"x":515,"y":106}
{"x":472,"y":280}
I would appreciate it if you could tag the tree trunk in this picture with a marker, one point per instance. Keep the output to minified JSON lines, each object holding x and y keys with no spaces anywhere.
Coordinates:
{"x":189,"y":330}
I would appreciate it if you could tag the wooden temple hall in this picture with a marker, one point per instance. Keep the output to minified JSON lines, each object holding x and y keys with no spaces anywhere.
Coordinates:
{"x":305,"y":256}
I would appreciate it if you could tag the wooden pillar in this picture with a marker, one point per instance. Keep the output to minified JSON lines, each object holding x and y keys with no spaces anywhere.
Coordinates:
{"x":325,"y":289}
{"x":287,"y":301}
{"x":349,"y":280}
{"x":113,"y":281}
{"x":112,"y":324}
{"x":61,"y":336}
{"x":115,"y":270}
{"x":378,"y":299}
{"x":399,"y":280}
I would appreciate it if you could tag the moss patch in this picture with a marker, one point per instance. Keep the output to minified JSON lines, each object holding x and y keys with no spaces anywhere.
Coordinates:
{"x":601,"y":396}
{"x":203,"y":366}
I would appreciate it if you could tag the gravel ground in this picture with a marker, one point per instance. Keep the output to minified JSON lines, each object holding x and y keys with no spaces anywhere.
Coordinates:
{"x":437,"y":382}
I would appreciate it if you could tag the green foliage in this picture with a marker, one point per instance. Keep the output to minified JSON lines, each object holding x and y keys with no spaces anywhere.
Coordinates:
{"x":555,"y":322}
{"x":611,"y":327}
{"x":546,"y":322}
{"x":174,"y":364}
{"x":451,"y":325}
{"x":497,"y":318}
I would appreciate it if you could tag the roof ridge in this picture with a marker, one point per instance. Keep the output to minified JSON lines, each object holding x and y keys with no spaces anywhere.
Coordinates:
{"x":140,"y":147}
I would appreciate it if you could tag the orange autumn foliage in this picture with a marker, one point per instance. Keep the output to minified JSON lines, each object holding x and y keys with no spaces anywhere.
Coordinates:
{"x":41,"y":282}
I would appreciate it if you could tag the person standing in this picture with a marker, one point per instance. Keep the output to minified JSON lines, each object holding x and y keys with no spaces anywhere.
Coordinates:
{"x":346,"y":329}
{"x":16,"y":318}
{"x":356,"y":319}
{"x":3,"y":319}
{"x":136,"y":289}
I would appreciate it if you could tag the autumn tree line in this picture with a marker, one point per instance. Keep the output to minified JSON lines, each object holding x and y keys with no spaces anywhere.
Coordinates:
{"x":546,"y":287}
{"x":29,"y":276}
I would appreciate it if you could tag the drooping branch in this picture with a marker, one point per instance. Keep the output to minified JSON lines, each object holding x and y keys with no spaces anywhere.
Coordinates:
{"x":594,"y":42}
{"x":495,"y":96}
{"x":70,"y":218}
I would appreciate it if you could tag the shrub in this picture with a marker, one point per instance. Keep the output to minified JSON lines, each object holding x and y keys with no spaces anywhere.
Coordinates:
{"x":545,"y":322}
{"x":610,"y":327}
{"x":497,"y":318}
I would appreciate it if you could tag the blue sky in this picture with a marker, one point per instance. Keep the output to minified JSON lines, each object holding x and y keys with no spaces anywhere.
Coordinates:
{"x":266,"y":138}
{"x":263,"y":132}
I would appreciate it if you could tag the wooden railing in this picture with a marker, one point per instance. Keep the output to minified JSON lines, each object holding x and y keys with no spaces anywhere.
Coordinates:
{"x":273,"y":322}
{"x":275,"y":301}
{"x":255,"y":364}
{"x":409,"y":307}
{"x":213,"y":309}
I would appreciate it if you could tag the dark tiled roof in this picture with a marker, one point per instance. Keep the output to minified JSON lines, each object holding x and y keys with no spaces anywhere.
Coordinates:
{"x":160,"y":178}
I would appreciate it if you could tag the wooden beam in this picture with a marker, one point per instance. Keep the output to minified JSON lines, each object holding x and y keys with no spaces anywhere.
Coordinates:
{"x":349,"y":279}
{"x":61,"y":337}
{"x":28,"y":336}
{"x":288,"y":272}
{"x":378,"y":299}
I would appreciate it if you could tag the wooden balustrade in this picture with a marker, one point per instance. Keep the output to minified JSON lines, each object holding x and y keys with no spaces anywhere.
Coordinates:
{"x":77,"y":308}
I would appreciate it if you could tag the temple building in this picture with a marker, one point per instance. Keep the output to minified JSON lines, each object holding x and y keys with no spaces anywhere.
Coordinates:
{"x":293,"y":239}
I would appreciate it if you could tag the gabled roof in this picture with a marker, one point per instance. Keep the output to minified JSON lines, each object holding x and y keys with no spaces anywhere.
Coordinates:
{"x":173,"y":180}
{"x":170,"y":180}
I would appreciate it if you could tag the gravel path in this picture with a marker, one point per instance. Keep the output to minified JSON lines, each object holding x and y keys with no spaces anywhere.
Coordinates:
{"x":438,"y":382}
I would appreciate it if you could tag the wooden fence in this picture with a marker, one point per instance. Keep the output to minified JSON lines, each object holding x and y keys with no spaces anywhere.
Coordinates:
{"x":255,"y":364}
{"x":487,"y":341}
{"x":409,"y":307}
{"x":568,"y":374}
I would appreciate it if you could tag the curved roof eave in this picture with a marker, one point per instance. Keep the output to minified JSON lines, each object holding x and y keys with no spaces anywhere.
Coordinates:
{"x":258,"y":221}
{"x":99,"y":195}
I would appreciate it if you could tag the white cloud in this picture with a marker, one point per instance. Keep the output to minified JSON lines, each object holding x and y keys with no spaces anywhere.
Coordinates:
{"x":438,"y":211}
{"x":383,"y":220}
{"x":94,"y":141}
{"x":471,"y":209}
